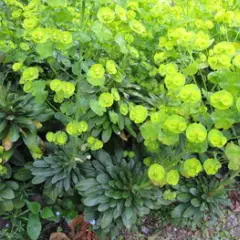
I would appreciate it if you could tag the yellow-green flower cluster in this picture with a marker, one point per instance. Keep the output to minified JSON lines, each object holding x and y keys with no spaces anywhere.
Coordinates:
{"x":75,"y":128}
{"x":157,"y":173}
{"x":106,"y":15}
{"x":175,"y":124}
{"x":137,"y":26}
{"x":216,"y":138}
{"x":190,"y":93}
{"x":159,"y":176}
{"x":29,"y":74}
{"x":39,"y":35}
{"x":3,"y":169}
{"x":62,"y":89}
{"x":123,"y":107}
{"x":196,"y":133}
{"x":111,"y":67}
{"x":221,"y":100}
{"x":96,"y":75}
{"x":191,"y":168}
{"x":30,"y":23}
{"x":168,"y":195}
{"x":138,"y":114}
{"x":174,"y":81}
{"x":221,"y":55}
{"x":94,"y":143}
{"x":59,"y":138}
{"x":106,"y":99}
{"x":211,"y":166}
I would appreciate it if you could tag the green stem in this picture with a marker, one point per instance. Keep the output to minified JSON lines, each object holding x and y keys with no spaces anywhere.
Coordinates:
{"x":78,"y":87}
{"x":51,"y":105}
{"x":26,"y":211}
{"x":235,"y":39}
{"x":227,"y":181}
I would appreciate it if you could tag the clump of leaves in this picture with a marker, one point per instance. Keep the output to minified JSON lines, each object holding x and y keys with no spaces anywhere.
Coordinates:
{"x":116,"y":192}
{"x":7,"y":195}
{"x":199,"y":198}
{"x":20,"y":116}
{"x":59,"y":171}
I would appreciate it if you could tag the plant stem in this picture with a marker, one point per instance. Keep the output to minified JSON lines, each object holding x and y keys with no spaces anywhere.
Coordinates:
{"x":78,"y":85}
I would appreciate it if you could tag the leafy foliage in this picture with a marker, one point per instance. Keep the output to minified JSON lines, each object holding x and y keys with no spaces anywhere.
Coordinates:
{"x":60,"y":171}
{"x":20,"y":116}
{"x":116,"y":192}
{"x":199,"y":199}
{"x":77,"y":76}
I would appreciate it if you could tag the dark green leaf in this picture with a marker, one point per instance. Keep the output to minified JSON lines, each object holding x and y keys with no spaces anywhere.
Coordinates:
{"x":106,"y":134}
{"x":7,"y":193}
{"x":34,"y":207}
{"x":189,"y":212}
{"x":47,"y":213}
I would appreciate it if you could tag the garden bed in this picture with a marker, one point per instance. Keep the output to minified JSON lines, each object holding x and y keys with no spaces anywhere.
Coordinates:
{"x":119,"y":119}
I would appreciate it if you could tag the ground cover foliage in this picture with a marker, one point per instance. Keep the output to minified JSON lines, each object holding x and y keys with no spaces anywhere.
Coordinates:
{"x":115,"y":109}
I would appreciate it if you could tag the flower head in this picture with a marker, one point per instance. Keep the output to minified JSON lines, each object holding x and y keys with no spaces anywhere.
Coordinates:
{"x":175,"y":81}
{"x":40,"y":35}
{"x":157,"y":174}
{"x":176,"y":124}
{"x":29,"y":74}
{"x":190,"y":93}
{"x":138,"y":114}
{"x":105,"y":15}
{"x":216,"y":138}
{"x":191,"y":168}
{"x":196,"y":133}
{"x":173,"y":177}
{"x":211,"y":166}
{"x":137,"y":27}
{"x":106,"y":99}
{"x":221,"y":100}
{"x":95,"y":75}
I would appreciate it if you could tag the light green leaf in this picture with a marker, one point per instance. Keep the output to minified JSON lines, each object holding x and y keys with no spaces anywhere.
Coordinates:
{"x":34,"y":226}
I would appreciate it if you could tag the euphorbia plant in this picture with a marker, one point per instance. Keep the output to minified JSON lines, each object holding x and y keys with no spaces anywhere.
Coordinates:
{"x":162,"y":73}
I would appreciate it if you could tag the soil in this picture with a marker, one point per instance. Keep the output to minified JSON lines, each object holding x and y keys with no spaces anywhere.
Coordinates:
{"x":226,"y":227}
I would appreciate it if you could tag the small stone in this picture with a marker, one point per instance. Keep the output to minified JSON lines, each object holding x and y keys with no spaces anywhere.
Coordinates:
{"x":145,"y":230}
{"x":235,"y":232}
{"x":232,"y":221}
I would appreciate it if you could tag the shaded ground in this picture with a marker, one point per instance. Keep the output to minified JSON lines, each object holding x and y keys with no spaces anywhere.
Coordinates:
{"x":227,"y":227}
